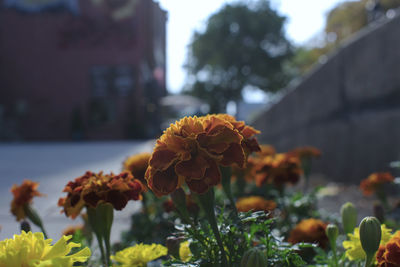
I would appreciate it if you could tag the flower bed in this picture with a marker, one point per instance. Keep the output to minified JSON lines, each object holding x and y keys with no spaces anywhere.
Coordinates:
{"x":211,"y":195}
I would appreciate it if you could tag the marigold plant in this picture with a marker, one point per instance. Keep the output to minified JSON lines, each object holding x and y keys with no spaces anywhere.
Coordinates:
{"x":192,"y":149}
{"x":374,"y":182}
{"x":255,"y":203}
{"x":137,"y":165}
{"x":278,"y":169}
{"x":23,"y":195}
{"x":309,"y":231}
{"x":31,"y":249}
{"x":94,"y":188}
{"x":389,"y":254}
{"x":139,"y":255}
{"x":354,"y":250}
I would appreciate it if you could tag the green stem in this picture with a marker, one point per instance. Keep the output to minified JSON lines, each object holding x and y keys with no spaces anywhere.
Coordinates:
{"x":335,"y":259}
{"x":369,"y":260}
{"x":44,"y":231}
{"x":226,"y":173}
{"x":101,"y":246}
{"x":100,"y":220}
{"x":207,"y":201}
{"x":35,"y":218}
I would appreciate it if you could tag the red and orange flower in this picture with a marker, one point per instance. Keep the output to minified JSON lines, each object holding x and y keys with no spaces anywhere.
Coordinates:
{"x":309,"y":231}
{"x":388,"y":255}
{"x":94,"y":188}
{"x":255,"y":203}
{"x":137,"y":165}
{"x":278,"y":169}
{"x":374,"y":182}
{"x":192,"y":149}
{"x":23,"y":195}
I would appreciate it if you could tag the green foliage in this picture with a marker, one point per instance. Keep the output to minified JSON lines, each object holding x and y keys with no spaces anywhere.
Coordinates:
{"x":238,"y":237}
{"x":152,"y":225}
{"x":243,"y":45}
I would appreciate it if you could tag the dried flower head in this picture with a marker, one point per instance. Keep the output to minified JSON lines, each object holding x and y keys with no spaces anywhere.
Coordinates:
{"x":309,"y":231}
{"x":278,"y":169}
{"x":255,"y":203}
{"x":94,"y":188}
{"x":137,"y":165}
{"x":192,"y":149}
{"x":374,"y":182}
{"x":23,"y":195}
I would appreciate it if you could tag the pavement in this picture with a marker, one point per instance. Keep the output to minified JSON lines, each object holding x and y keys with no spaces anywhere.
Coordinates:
{"x":53,"y":165}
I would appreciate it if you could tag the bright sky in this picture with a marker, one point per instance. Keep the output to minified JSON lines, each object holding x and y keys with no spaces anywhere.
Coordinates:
{"x":305,"y":19}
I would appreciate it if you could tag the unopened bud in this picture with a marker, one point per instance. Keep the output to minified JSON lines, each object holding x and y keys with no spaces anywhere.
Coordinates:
{"x":25,"y":226}
{"x":370,"y":235}
{"x":254,"y":257}
{"x":349,"y":217}
{"x":332,"y":233}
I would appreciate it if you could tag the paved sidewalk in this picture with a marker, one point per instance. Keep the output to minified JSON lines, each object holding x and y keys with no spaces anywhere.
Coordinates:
{"x":53,"y":165}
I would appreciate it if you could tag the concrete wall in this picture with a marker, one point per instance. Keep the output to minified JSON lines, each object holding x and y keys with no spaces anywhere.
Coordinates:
{"x":348,"y":107}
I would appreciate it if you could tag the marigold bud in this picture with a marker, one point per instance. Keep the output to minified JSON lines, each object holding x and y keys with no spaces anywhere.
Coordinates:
{"x":332,"y":232}
{"x":349,"y":217}
{"x":370,"y":236}
{"x":254,"y":258}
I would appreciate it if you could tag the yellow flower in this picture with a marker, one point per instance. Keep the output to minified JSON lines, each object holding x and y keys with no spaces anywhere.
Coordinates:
{"x":32,"y":250}
{"x":353,"y":247}
{"x":139,"y":255}
{"x":184,"y":252}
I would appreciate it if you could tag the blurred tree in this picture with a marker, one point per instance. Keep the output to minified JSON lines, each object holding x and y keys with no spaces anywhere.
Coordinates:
{"x":243,"y":44}
{"x":341,"y":22}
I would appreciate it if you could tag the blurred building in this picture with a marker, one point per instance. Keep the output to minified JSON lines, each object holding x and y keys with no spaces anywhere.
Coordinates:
{"x":81,"y":69}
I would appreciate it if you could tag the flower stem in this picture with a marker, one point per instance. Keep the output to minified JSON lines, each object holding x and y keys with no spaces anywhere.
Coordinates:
{"x":226,"y":173}
{"x":207,"y":202}
{"x":335,"y":259}
{"x":100,"y":220}
{"x":368,"y":261}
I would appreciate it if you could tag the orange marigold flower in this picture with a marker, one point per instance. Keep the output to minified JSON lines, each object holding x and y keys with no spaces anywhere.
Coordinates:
{"x":266,"y":150}
{"x":191,"y":150}
{"x":70,"y":230}
{"x":23,"y":195}
{"x":369,"y":185}
{"x":309,"y":231}
{"x":278,"y":169}
{"x":306,"y":152}
{"x":255,"y":203}
{"x":388,"y":255}
{"x":94,"y":188}
{"x":137,"y":165}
